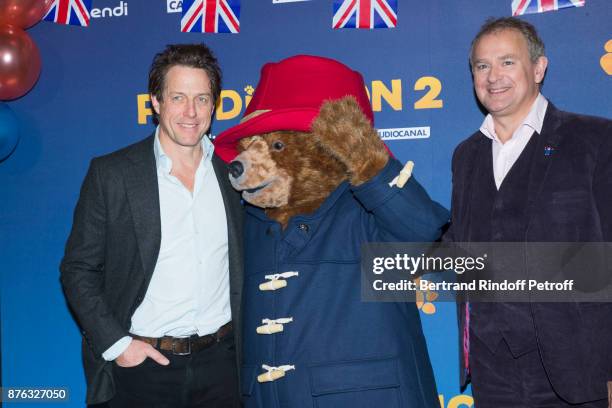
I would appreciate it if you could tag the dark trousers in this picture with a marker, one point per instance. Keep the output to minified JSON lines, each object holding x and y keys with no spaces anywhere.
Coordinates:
{"x":207,"y":378}
{"x":500,"y":380}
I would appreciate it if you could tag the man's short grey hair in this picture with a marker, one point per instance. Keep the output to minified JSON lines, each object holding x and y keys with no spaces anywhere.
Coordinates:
{"x":495,"y":25}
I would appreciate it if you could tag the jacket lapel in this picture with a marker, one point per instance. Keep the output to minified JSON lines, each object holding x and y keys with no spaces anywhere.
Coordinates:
{"x":143,"y":196}
{"x":479,"y":159}
{"x":233,"y":210}
{"x":234,"y":214}
{"x":550,"y":138}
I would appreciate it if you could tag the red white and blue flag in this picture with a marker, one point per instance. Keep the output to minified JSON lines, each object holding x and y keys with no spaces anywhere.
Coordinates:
{"x":211,"y":16}
{"x":520,"y":7}
{"x":367,"y":14}
{"x":73,"y":12}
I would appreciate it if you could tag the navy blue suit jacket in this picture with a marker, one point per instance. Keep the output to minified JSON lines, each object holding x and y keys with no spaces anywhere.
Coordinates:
{"x":569,"y":200}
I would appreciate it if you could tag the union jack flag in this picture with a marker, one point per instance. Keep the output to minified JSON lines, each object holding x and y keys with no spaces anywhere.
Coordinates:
{"x":520,"y":7}
{"x":73,"y":12}
{"x":365,"y":14}
{"x":211,"y":16}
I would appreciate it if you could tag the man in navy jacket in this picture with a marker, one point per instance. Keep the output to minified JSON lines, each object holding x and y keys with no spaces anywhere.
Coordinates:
{"x":531,"y":173}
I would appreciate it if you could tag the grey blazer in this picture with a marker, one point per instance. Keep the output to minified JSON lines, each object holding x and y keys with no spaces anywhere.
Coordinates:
{"x":113,"y":247}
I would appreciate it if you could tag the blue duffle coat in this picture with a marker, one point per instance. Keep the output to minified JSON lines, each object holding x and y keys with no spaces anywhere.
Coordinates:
{"x":342,"y":352}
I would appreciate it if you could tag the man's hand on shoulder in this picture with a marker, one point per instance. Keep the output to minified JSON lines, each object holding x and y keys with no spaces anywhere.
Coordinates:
{"x":137,"y":352}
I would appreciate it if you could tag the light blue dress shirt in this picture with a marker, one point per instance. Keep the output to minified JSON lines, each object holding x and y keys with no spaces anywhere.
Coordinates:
{"x":189,"y":290}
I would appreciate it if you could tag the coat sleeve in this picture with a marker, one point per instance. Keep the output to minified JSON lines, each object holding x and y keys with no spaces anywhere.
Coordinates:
{"x":82,"y":268}
{"x":401,"y":214}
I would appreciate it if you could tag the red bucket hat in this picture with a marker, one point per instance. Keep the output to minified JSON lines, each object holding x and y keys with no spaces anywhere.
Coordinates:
{"x":289,"y":95}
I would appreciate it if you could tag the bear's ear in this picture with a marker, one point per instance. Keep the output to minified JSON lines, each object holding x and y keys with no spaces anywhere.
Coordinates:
{"x":345,"y":132}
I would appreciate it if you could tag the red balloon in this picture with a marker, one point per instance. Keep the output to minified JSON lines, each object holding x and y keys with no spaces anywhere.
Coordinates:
{"x":22,"y":13}
{"x":19,"y":63}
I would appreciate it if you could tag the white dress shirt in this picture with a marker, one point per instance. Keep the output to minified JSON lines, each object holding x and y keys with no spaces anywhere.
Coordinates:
{"x":189,"y":290}
{"x":506,"y":154}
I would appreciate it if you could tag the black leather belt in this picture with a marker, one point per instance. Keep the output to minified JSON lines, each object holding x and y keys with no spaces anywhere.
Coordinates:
{"x":183,"y":346}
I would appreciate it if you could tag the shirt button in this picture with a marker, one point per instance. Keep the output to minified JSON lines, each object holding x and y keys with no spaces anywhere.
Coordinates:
{"x":303,"y":227}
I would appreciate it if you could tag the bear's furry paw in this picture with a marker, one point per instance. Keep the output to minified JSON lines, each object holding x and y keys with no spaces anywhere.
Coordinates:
{"x":345,"y":132}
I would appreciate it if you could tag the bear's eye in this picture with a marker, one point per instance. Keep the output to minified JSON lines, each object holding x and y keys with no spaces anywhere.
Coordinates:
{"x":278,"y":145}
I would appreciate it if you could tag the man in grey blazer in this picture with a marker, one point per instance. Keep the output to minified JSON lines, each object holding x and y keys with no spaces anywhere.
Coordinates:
{"x":153,"y":264}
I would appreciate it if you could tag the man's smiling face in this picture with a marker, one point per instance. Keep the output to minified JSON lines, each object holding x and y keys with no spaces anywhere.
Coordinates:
{"x":506,"y":81}
{"x":186,"y":109}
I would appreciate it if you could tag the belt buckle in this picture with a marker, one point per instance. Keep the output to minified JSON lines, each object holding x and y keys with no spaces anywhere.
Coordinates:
{"x":174,"y":352}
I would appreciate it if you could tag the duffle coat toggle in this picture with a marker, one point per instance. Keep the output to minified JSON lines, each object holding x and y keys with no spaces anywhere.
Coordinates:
{"x":271,"y":326}
{"x":273,"y":373}
{"x":277,"y":281}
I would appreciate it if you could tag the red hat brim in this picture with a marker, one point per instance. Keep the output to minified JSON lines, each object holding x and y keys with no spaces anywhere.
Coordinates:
{"x":296,"y":119}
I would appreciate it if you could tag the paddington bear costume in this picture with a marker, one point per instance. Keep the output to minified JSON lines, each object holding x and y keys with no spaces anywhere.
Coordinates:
{"x":307,"y":145}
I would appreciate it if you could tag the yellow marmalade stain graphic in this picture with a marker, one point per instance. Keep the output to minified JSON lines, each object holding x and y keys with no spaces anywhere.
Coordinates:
{"x":425,"y":299}
{"x":457,"y":401}
{"x":606,"y":59}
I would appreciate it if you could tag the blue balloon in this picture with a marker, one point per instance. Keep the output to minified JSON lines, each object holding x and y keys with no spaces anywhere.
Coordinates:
{"x":9,"y":131}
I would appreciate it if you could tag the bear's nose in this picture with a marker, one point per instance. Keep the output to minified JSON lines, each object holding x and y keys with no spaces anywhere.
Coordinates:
{"x":236,"y":169}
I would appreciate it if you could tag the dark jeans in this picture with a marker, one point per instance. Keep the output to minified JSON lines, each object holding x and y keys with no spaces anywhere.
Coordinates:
{"x":500,"y":380}
{"x":207,"y":378}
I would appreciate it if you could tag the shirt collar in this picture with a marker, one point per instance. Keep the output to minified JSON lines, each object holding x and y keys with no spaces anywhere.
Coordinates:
{"x":534,"y":119}
{"x":164,"y":162}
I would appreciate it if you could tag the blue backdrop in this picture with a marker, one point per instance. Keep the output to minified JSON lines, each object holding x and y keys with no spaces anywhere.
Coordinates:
{"x":91,"y":99}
